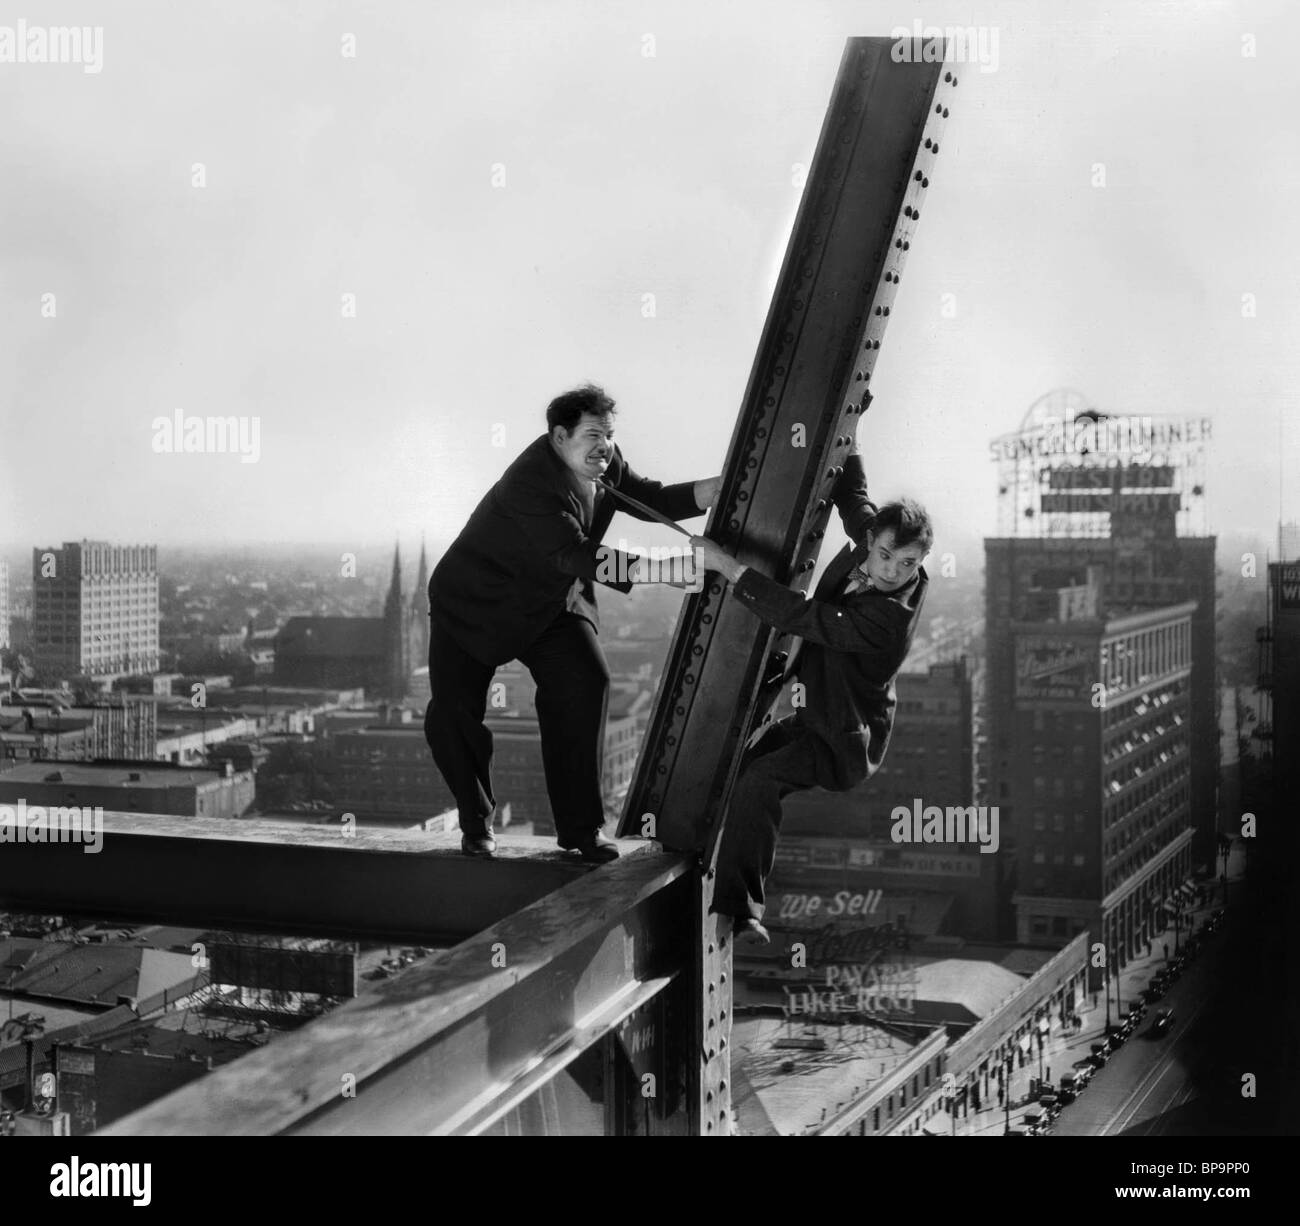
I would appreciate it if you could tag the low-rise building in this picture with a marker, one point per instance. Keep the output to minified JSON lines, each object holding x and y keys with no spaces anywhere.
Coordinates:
{"x":131,"y":787}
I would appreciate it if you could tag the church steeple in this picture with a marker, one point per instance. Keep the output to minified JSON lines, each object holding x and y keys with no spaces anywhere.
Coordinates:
{"x":396,"y":649}
{"x":393,"y":601}
{"x":418,"y":613}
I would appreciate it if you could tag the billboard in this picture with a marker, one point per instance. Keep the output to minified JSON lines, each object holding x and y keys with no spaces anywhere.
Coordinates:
{"x":1055,"y":668}
{"x":328,"y":969}
{"x":1289,"y":585}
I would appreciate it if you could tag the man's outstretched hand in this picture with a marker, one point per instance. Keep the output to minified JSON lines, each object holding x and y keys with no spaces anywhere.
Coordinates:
{"x":713,"y":557}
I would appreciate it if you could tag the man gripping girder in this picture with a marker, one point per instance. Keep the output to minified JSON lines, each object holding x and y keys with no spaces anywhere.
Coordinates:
{"x":852,"y":639}
{"x":518,"y":584}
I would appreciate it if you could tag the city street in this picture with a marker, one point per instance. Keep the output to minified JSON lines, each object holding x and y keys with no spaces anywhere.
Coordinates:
{"x":1149,"y":1086}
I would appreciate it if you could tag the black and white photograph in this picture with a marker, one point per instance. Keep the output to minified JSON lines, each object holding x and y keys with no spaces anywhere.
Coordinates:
{"x":599,"y":568}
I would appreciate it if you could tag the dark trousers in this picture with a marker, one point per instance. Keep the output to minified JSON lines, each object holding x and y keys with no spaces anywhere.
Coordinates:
{"x":572,"y":679}
{"x":787,"y":758}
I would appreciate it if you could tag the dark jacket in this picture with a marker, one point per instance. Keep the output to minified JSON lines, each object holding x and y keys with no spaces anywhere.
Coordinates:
{"x":853,"y":646}
{"x":510,"y":572}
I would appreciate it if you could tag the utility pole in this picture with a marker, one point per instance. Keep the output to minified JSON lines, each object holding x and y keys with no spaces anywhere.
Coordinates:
{"x":1105,"y":974}
{"x":1006,"y":1093}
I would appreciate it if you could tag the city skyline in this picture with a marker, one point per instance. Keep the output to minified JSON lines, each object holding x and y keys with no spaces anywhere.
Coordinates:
{"x":594,"y":159}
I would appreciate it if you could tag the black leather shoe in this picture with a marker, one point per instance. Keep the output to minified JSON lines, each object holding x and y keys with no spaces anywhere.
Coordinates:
{"x":477,"y":844}
{"x":746,"y":928}
{"x":598,"y":848}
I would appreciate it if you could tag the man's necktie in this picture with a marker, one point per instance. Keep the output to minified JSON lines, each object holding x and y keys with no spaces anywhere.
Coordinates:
{"x":859,"y":581}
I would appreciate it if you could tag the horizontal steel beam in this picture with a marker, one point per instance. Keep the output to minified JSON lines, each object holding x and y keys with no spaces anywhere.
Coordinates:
{"x":453,"y":1042}
{"x":380,"y":885}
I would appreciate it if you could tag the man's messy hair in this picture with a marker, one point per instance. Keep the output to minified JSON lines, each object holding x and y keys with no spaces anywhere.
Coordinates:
{"x":910,"y":522}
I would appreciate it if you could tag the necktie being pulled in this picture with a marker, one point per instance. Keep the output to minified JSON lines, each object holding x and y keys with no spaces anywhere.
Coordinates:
{"x":859,"y":581}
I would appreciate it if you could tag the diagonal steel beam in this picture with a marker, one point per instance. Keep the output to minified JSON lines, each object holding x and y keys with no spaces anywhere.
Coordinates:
{"x":865,"y":191}
{"x":399,"y":886}
{"x":863,"y":199}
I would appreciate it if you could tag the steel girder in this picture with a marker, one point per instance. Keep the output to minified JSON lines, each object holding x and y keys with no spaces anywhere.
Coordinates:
{"x":862,"y":201}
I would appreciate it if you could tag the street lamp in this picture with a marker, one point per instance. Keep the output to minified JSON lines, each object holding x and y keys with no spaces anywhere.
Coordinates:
{"x":1006,"y":1091}
{"x":1105,"y":975}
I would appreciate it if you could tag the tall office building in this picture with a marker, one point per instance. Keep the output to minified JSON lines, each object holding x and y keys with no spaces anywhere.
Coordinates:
{"x":95,"y":609}
{"x":1279,"y":675}
{"x":1100,"y":718}
{"x":1102,"y":519}
{"x":4,"y":604}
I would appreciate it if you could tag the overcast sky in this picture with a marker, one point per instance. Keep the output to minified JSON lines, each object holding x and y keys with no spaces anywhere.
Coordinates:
{"x":625,"y":174}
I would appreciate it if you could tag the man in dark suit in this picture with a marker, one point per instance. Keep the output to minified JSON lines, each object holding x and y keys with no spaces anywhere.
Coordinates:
{"x":518,"y":584}
{"x":853,"y":638}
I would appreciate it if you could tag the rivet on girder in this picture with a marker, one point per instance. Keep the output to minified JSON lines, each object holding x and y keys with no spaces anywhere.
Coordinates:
{"x":886,"y":310}
{"x":898,"y":242}
{"x":925,"y":182}
{"x":906,"y":247}
{"x":938,"y":108}
{"x":927,"y":142}
{"x":947,"y":76}
{"x":821,"y":504}
{"x":936,"y":146}
{"x":945,"y":112}
{"x":689,"y":678}
{"x":743,"y":495}
{"x":761,"y":432}
{"x":877,"y":310}
{"x":807,"y":564}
